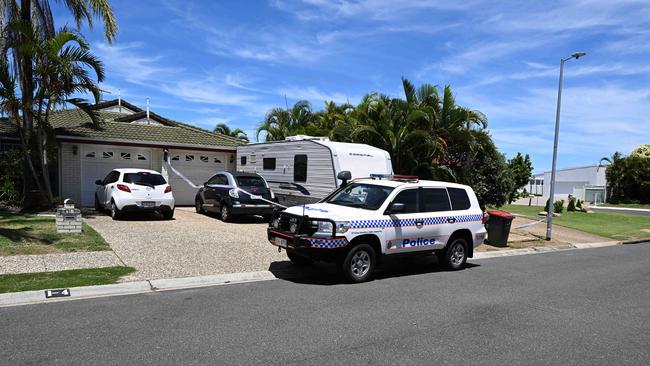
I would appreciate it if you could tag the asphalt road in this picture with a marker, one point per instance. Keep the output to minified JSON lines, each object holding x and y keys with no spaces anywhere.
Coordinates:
{"x":579,"y":307}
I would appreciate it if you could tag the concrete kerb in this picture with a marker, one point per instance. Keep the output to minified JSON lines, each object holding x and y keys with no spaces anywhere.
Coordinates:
{"x":129,"y":288}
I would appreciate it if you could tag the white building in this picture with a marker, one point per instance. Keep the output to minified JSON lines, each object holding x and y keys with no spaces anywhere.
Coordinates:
{"x":587,"y":183}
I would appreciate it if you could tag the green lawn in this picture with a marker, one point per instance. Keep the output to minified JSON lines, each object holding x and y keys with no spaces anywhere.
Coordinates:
{"x":610,"y":225}
{"x":62,"y":279}
{"x":23,"y":234}
{"x":626,"y":205}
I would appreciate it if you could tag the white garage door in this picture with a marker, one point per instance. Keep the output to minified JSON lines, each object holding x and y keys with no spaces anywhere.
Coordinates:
{"x":197,"y":167}
{"x":97,"y":161}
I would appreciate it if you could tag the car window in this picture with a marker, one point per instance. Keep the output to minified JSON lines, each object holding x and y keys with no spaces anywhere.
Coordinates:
{"x":459,"y":199}
{"x":214,"y":180}
{"x":144,"y":178}
{"x":409,"y":198}
{"x":434,"y":200}
{"x":366,"y":196}
{"x":112,"y":177}
{"x":222,"y":179}
{"x":250,"y":182}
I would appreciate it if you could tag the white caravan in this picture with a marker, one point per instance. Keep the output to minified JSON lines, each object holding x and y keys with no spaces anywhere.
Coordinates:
{"x":304,"y":169}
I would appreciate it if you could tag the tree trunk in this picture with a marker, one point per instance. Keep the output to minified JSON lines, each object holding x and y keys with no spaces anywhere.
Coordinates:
{"x":27,"y":86}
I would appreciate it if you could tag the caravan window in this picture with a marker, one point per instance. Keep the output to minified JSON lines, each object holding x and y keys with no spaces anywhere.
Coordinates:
{"x":300,"y":168}
{"x":243,"y":160}
{"x":269,"y":163}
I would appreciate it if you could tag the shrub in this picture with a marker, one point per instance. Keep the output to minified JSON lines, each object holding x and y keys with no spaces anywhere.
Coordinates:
{"x":579,"y":205}
{"x":546,"y":206}
{"x":558,"y":206}
{"x":572,"y":205}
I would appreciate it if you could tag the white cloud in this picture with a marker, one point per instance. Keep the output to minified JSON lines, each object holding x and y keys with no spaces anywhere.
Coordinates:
{"x":130,"y":62}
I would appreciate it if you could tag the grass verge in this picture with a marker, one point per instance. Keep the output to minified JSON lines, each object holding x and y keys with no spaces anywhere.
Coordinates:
{"x":62,"y":279}
{"x":611,"y":225}
{"x":24,"y":234}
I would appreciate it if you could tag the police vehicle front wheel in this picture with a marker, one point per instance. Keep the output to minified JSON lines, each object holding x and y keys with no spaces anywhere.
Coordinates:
{"x":455,"y":256}
{"x":359,"y":263}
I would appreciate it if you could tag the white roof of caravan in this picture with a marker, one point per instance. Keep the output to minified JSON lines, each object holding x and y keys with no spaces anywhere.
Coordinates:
{"x":348,"y":147}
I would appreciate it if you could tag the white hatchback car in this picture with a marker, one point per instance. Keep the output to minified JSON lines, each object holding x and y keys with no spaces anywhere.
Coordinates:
{"x":134,"y":190}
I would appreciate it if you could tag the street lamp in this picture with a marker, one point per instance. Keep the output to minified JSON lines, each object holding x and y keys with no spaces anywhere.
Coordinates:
{"x":549,"y":213}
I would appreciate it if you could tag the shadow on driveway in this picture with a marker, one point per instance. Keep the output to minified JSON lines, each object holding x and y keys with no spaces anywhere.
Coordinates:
{"x":327,"y":274}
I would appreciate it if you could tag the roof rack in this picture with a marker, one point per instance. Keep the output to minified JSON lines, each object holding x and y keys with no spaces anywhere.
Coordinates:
{"x":400,"y":178}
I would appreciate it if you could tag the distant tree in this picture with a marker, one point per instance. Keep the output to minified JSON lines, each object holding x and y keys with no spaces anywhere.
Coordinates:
{"x":628,"y":178}
{"x":642,"y":151}
{"x":280,"y":123}
{"x":520,"y":168}
{"x":224,"y":129}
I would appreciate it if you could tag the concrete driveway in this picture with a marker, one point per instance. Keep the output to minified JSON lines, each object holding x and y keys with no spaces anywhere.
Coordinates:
{"x":189,"y":245}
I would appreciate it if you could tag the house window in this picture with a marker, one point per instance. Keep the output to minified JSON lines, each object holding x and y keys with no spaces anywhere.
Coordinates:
{"x":91,"y":155}
{"x":300,"y":168}
{"x":125,"y":156}
{"x":268,"y":163}
{"x":142,"y":156}
{"x":204,"y":159}
{"x":107,"y":154}
{"x":216,"y":160}
{"x":176,"y":158}
{"x":189,"y":157}
{"x":243,"y":160}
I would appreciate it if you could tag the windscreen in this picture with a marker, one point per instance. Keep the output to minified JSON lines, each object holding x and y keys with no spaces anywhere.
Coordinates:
{"x":250,"y":182}
{"x":366,"y":196}
{"x":145,"y":179}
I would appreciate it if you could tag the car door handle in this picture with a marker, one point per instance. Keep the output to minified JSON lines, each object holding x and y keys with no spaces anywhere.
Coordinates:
{"x":451,"y":220}
{"x":419,"y":223}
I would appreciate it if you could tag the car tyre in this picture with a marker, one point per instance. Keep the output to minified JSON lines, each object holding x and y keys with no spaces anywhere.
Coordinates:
{"x":359,"y":263}
{"x":299,"y":260}
{"x":455,"y":256}
{"x":198,"y":205}
{"x":168,"y":214}
{"x":226,"y":216}
{"x":116,"y":213}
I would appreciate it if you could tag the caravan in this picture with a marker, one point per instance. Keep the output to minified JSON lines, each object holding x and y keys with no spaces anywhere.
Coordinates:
{"x":304,"y":169}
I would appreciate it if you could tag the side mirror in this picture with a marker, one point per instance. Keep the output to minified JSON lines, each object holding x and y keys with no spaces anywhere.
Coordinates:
{"x":205,"y":184}
{"x":344,"y":176}
{"x":396,"y":207}
{"x":98,"y":182}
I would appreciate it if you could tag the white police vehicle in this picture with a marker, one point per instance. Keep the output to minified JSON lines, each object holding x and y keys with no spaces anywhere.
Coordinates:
{"x":384,"y":215}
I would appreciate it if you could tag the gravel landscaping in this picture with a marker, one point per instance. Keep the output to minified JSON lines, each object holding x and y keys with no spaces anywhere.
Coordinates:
{"x":189,"y":245}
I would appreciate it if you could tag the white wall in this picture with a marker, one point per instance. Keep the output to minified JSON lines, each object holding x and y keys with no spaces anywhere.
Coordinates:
{"x":566,"y":180}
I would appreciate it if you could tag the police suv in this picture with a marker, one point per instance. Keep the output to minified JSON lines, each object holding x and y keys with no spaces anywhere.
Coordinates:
{"x":368,"y":219}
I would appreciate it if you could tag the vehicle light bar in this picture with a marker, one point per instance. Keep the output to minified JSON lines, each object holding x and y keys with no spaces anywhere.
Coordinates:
{"x":405,"y":178}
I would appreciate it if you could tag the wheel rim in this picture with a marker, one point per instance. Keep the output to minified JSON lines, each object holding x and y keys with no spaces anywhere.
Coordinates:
{"x":113,"y":209}
{"x":224,"y":213}
{"x":457,"y":254}
{"x":360,"y":264}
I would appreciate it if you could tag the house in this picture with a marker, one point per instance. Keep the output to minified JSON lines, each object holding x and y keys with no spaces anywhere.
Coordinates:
{"x":129,"y":137}
{"x":587,"y":183}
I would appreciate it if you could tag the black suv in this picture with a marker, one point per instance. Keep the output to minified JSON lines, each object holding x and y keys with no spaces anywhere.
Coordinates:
{"x":225,"y":193}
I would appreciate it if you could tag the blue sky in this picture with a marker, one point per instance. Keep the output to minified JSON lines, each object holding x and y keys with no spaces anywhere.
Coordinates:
{"x":205,"y":62}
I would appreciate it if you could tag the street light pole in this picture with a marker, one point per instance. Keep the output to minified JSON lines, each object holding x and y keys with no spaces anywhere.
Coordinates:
{"x":549,"y":213}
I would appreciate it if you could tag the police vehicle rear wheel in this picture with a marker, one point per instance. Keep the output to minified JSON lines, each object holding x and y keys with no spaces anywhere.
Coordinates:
{"x":359,"y":263}
{"x":455,"y":256}
{"x":299,"y":260}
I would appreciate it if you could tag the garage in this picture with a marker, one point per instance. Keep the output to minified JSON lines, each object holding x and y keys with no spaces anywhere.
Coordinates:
{"x":197,"y":166}
{"x":98,"y":160}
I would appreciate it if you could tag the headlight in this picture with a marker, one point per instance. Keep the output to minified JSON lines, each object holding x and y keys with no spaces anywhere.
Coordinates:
{"x":325,"y":227}
{"x":233,"y":193}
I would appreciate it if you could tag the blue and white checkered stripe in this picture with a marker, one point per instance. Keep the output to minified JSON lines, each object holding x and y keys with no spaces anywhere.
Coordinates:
{"x":362,"y":224}
{"x":328,"y":243}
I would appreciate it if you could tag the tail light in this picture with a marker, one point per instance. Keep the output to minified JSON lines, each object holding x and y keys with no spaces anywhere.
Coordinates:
{"x":123,"y":188}
{"x":486,"y":216}
{"x":168,"y":189}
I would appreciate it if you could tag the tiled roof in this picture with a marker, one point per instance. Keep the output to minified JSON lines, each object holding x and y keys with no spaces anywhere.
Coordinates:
{"x":74,"y":123}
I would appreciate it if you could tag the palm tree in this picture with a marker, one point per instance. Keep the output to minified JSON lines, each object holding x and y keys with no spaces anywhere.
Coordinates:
{"x":280,"y":123}
{"x":61,"y":67}
{"x":238,"y":133}
{"x":37,"y":15}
